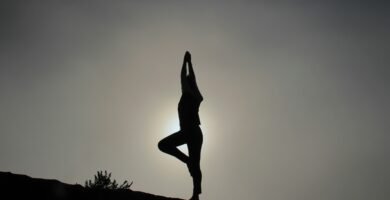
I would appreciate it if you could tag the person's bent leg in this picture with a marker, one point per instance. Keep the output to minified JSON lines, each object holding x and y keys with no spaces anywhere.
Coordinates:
{"x":169,"y":145}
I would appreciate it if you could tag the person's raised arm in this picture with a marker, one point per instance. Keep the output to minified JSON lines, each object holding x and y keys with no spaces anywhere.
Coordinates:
{"x":183,"y":75}
{"x":191,"y":75}
{"x":191,"y":72}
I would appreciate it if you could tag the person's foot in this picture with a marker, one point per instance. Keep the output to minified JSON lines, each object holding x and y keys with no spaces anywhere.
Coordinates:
{"x":195,"y":197}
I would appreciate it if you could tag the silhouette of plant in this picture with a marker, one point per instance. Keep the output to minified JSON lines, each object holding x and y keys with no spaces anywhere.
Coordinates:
{"x":103,"y":181}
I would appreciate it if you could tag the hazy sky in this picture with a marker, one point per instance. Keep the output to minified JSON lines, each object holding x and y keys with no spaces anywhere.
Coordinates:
{"x":296,"y":94}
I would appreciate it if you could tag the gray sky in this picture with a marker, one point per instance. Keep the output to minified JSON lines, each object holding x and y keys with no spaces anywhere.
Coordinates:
{"x":295,"y":94}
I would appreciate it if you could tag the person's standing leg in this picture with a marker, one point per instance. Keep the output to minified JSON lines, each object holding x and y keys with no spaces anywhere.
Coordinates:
{"x":169,"y":145}
{"x":194,"y":149}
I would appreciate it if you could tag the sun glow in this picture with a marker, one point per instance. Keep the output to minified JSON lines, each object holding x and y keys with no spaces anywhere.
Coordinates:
{"x":172,"y":125}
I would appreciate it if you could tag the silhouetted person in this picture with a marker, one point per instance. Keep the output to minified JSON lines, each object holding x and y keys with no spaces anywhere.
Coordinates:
{"x":190,"y":132}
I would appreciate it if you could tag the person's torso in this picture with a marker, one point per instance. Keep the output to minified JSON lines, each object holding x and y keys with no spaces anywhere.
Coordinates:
{"x":188,"y":109}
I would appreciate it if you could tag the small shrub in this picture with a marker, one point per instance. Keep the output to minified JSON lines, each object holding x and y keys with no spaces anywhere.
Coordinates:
{"x":103,"y":181}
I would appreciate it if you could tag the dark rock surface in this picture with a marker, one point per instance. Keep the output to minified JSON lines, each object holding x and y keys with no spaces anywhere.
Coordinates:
{"x":14,"y":186}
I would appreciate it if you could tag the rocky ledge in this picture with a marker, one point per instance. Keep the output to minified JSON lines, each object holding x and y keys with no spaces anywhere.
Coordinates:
{"x":14,"y":186}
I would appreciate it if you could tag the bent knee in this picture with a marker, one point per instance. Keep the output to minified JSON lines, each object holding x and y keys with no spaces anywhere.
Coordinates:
{"x":162,"y":146}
